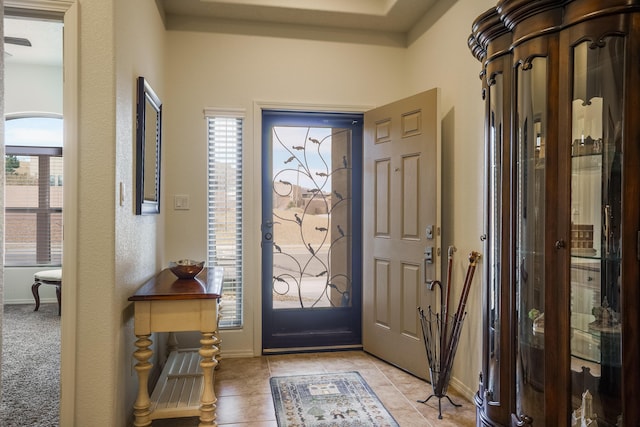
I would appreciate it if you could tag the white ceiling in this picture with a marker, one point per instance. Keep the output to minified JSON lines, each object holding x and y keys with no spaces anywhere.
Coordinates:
{"x":45,"y":38}
{"x":394,"y":22}
{"x":378,"y":15}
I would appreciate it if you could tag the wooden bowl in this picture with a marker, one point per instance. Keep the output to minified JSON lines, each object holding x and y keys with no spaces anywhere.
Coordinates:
{"x":186,"y":268}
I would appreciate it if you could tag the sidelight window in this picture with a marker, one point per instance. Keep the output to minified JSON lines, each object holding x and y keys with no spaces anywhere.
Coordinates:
{"x":224,"y":213}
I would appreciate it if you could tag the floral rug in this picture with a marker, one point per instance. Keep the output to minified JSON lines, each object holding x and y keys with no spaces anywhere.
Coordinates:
{"x":327,"y":400}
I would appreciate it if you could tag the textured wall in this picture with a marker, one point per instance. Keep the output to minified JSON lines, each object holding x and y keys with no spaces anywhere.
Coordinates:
{"x":96,"y":331}
{"x":139,"y":240}
{"x":117,"y":250}
{"x":441,"y":58}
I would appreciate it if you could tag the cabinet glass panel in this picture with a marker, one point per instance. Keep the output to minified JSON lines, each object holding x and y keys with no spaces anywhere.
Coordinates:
{"x":596,"y":203}
{"x":496,"y":113}
{"x":530,"y":226}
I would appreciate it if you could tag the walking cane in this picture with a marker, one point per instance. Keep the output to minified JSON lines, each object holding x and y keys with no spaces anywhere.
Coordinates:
{"x":445,"y":306}
{"x":457,"y":321}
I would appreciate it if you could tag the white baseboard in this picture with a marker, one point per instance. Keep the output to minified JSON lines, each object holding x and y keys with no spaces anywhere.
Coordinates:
{"x":234,"y":354}
{"x":462,"y":389}
{"x":16,"y":301}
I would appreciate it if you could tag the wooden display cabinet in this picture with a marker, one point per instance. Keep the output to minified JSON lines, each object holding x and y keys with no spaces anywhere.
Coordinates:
{"x":561,"y":299}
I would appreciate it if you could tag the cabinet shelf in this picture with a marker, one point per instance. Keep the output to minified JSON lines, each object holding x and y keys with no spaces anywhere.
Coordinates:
{"x":596,"y":257}
{"x":593,"y":155}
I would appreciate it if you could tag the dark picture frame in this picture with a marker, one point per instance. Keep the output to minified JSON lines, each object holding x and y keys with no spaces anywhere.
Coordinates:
{"x":148,"y":149}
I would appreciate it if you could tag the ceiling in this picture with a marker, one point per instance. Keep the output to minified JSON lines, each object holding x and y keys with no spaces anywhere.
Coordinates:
{"x":386,"y":22}
{"x":45,"y":38}
{"x":379,"y":15}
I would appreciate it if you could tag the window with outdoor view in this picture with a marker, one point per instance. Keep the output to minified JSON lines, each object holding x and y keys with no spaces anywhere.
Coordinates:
{"x":33,"y":191}
{"x":224,"y":214}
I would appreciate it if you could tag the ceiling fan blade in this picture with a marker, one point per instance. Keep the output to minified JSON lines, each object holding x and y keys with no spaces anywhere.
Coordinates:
{"x":20,"y":41}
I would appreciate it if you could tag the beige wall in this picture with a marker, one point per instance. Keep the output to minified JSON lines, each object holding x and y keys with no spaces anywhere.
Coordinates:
{"x":33,"y":88}
{"x":116,"y":250}
{"x":441,"y":58}
{"x":237,"y":71}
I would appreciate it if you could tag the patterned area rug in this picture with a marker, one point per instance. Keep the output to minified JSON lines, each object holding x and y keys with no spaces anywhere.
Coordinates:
{"x":327,"y":400}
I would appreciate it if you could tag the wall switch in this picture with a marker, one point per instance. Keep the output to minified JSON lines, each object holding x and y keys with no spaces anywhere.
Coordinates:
{"x":181,"y":202}
{"x":121,"y":193}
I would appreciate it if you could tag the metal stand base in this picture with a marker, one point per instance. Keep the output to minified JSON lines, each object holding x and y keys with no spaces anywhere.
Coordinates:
{"x":440,"y":403}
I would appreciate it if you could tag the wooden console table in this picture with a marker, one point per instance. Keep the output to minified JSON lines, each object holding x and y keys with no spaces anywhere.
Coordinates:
{"x":168,"y":304}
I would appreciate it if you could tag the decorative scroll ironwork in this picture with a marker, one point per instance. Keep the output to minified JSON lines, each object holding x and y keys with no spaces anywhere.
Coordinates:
{"x":309,"y":238}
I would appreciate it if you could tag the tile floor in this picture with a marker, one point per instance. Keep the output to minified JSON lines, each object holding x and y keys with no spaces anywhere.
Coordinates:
{"x":244,"y":396}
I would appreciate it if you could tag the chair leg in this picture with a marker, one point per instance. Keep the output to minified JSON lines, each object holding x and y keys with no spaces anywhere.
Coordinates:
{"x":36,"y":294}
{"x":59,"y":296}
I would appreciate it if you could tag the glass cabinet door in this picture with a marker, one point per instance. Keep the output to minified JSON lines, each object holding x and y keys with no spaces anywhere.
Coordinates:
{"x":529,"y":238}
{"x":596,"y":208}
{"x":494,"y":244}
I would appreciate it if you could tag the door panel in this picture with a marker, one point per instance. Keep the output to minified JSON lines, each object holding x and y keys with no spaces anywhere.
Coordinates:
{"x":382,"y":205}
{"x":410,"y":294}
{"x":401,"y":185}
{"x":381,"y":286}
{"x":410,"y":196}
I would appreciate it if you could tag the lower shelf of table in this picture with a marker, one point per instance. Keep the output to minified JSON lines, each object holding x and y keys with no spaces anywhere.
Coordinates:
{"x":177,"y":393}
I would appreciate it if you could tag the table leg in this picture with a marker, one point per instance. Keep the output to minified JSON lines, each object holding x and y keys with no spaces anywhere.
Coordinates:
{"x":142,"y":405}
{"x":208,"y":351}
{"x":218,"y":344}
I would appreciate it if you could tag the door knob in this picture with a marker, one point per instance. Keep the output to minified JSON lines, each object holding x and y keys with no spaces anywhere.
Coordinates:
{"x":559,"y":244}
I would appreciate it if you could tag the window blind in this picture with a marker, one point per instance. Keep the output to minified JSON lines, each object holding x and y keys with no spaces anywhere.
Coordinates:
{"x":33,"y":210}
{"x":33,"y":191}
{"x":224,"y":217}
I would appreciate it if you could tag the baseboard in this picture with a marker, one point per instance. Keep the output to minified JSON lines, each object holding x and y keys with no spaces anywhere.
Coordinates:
{"x":29,"y":301}
{"x":234,"y":354}
{"x":462,"y":389}
{"x":268,"y":351}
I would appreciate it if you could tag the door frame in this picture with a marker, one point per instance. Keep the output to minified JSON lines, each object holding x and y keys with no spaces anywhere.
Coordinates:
{"x":285,"y":329}
{"x":254,"y":220}
{"x":68,"y":12}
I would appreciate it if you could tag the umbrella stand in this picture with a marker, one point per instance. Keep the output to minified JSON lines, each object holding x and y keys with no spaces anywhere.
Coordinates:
{"x":441,"y":333}
{"x":433,"y":328}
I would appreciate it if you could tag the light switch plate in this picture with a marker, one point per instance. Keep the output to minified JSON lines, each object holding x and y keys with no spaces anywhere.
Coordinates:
{"x":121,"y":196}
{"x":181,"y":202}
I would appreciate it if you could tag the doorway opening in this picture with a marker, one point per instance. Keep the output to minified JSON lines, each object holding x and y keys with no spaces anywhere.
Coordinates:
{"x":311,"y":230}
{"x":33,"y":107}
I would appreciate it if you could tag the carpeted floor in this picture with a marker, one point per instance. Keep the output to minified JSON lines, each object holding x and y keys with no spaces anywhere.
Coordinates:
{"x":30,"y":366}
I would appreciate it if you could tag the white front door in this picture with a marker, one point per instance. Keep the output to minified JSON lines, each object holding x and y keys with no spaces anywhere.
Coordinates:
{"x":400,"y":227}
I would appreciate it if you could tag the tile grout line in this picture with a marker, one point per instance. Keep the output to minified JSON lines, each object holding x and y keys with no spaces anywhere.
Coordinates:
{"x":403,"y":395}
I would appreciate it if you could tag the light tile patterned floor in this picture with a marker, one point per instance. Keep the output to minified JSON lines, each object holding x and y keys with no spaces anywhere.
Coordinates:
{"x":244,"y":396}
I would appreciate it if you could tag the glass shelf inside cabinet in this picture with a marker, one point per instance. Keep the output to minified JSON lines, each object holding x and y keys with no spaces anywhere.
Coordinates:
{"x":593,"y":341}
{"x":595,"y":325}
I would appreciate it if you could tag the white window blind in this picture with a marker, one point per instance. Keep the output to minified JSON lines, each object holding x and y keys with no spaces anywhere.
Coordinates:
{"x":225,"y":133}
{"x":33,"y":191}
